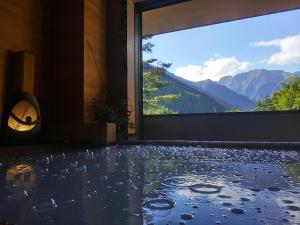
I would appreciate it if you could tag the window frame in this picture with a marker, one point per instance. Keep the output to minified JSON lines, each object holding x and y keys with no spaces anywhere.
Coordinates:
{"x":141,"y":7}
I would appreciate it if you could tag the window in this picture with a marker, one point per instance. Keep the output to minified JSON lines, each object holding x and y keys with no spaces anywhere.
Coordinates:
{"x":245,"y":65}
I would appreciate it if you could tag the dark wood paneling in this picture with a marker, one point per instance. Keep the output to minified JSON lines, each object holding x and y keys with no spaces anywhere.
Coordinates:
{"x":22,"y":28}
{"x":94,"y":54}
{"x":116,"y":46}
{"x":65,"y":84}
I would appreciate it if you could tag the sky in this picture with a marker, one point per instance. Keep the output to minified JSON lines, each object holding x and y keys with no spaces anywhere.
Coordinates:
{"x":226,"y":49}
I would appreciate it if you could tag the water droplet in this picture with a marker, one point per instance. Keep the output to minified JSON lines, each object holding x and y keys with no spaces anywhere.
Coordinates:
{"x":133,"y":214}
{"x":81,"y":169}
{"x":293,"y":208}
{"x":288,"y":201}
{"x":258,"y":210}
{"x":226,"y":203}
{"x":18,"y":196}
{"x":134,"y":187}
{"x":224,"y":196}
{"x":255,"y":189}
{"x":45,"y":207}
{"x":237,"y":211}
{"x":74,"y":164}
{"x":274,"y":189}
{"x":186,"y":216}
{"x":71,"y":201}
{"x":64,"y":171}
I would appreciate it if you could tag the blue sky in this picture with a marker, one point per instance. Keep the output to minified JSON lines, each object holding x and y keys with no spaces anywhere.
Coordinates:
{"x":211,"y":52}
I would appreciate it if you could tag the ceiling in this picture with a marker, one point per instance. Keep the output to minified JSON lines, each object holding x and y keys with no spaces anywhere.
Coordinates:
{"x":197,"y":13}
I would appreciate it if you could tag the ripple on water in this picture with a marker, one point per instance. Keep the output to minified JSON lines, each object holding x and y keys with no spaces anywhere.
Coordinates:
{"x":159,"y":204}
{"x":205,"y":188}
{"x":179,"y":182}
{"x":156,"y":194}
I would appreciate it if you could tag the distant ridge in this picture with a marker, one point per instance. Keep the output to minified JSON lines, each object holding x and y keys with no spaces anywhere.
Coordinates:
{"x":219,"y":92}
{"x":256,"y":84}
{"x":191,"y":100}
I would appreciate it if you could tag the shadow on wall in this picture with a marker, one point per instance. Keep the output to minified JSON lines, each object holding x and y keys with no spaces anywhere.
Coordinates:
{"x":6,"y":83}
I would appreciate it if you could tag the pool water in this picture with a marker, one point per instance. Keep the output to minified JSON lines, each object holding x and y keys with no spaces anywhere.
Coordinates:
{"x":152,"y":185}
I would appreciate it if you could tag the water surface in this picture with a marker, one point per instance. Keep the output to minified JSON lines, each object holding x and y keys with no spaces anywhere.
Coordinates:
{"x":152,"y":185}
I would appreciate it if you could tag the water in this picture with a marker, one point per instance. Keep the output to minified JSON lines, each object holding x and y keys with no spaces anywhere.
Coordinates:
{"x":152,"y":185}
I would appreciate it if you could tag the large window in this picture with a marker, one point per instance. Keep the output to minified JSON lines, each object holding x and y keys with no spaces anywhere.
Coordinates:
{"x":246,"y":65}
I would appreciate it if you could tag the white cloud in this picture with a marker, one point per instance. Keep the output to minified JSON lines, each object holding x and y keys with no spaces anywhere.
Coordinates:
{"x":289,"y":50}
{"x":214,"y":69}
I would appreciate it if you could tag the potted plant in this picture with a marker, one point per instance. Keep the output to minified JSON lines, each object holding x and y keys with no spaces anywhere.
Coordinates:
{"x":113,"y":112}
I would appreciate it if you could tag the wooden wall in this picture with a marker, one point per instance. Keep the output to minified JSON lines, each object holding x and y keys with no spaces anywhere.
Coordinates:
{"x":22,"y":28}
{"x":94,"y":54}
{"x":130,"y":64}
{"x":78,"y":60}
{"x":116,"y":34}
{"x":63,"y":91}
{"x":78,"y":69}
{"x":69,"y":40}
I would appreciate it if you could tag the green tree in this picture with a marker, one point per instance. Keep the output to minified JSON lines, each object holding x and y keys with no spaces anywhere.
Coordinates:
{"x":233,"y":110}
{"x":265,"y":105}
{"x":288,"y":98}
{"x":153,"y":71}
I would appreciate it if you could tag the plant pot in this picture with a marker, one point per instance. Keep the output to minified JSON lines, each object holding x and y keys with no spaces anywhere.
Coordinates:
{"x":111,"y":133}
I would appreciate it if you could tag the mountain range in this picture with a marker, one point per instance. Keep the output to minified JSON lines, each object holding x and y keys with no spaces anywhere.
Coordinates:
{"x":191,"y":99}
{"x":256,"y":84}
{"x":241,"y":91}
{"x":221,"y":93}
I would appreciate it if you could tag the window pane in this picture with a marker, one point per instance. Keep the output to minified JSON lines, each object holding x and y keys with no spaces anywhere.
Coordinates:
{"x":245,"y":65}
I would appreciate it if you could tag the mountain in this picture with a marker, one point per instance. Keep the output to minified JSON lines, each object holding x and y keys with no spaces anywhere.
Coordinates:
{"x":256,"y":84}
{"x":219,"y":92}
{"x":191,"y":100}
{"x":297,"y":73}
{"x":226,"y":95}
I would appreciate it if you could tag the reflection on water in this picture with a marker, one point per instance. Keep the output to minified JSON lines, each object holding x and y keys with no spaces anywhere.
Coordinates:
{"x":21,"y":176}
{"x":152,"y":185}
